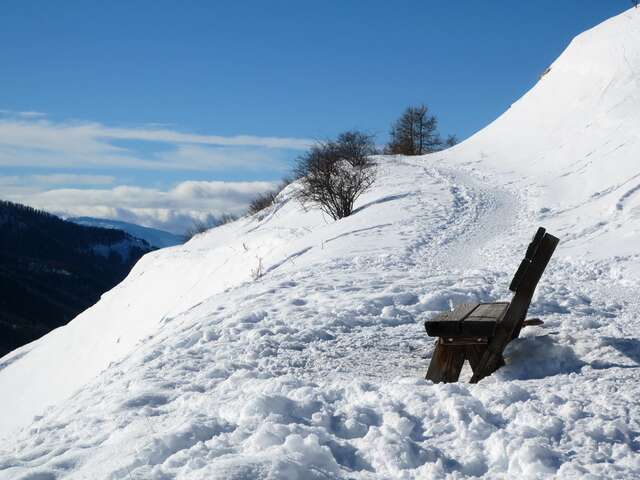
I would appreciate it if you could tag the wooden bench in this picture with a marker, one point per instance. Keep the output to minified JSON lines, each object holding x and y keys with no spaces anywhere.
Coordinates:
{"x":479,"y":332}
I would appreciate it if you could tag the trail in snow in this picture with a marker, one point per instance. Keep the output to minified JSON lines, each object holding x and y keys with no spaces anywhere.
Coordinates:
{"x":463,"y":240}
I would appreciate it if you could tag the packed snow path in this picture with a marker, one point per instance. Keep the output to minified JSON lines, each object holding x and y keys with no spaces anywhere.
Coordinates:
{"x":290,"y":346}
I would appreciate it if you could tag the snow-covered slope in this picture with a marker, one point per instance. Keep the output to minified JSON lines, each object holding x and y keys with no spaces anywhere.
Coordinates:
{"x":153,"y":236}
{"x":573,"y":141}
{"x":291,"y":346}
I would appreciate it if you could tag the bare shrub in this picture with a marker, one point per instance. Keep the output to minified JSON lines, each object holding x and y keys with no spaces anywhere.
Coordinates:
{"x":196,"y":228}
{"x":201,"y":226}
{"x":265,"y":200}
{"x":225,"y":218}
{"x":258,"y":272}
{"x":262,"y":201}
{"x":333,"y":174}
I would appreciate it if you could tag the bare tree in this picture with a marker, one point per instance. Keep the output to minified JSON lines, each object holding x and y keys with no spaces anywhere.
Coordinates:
{"x":414,"y":133}
{"x":334,"y":174}
{"x":451,"y":141}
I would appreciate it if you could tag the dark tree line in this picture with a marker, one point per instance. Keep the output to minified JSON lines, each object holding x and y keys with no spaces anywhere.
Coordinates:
{"x":50,"y":271}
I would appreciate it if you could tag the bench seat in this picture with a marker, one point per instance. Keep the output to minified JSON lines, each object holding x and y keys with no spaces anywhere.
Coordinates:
{"x":467,"y":320}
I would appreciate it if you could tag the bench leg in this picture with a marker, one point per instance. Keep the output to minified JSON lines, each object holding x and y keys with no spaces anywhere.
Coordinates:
{"x":488,"y":363}
{"x":446,"y":363}
{"x":474,"y":354}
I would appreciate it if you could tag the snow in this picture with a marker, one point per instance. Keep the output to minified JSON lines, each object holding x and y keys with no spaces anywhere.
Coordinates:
{"x":154,"y":237}
{"x":291,"y":346}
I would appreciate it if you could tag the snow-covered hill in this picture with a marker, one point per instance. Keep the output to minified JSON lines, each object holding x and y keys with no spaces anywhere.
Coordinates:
{"x":292,"y":346}
{"x":154,"y":237}
{"x":573,"y":142}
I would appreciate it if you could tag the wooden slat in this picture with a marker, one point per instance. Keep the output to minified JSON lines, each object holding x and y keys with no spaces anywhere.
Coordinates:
{"x":470,"y":319}
{"x":482,"y":321}
{"x":459,"y":313}
{"x":478,"y":326}
{"x":488,"y":310}
{"x":448,"y":323}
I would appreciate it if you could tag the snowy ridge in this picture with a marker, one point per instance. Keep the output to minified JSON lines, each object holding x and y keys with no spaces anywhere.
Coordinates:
{"x":123,"y":248}
{"x":154,"y":237}
{"x":292,"y":347}
{"x":572,"y":142}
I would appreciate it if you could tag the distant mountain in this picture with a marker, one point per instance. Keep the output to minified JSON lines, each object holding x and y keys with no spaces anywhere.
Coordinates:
{"x":51,"y":270}
{"x":154,"y":237}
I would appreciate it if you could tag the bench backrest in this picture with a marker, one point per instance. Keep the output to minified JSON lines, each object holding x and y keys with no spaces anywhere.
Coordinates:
{"x":525,"y":277}
{"x":523,"y":285}
{"x":528,"y":275}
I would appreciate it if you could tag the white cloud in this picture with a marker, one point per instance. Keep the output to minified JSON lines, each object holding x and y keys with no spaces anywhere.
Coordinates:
{"x":174,"y":210}
{"x":30,"y":141}
{"x":71,"y":179}
{"x":31,"y":181}
{"x":9,"y":180}
{"x":28,"y":114}
{"x":31,"y":114}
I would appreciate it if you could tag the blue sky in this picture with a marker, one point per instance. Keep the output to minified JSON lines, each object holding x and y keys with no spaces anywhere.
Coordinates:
{"x":160,"y":111}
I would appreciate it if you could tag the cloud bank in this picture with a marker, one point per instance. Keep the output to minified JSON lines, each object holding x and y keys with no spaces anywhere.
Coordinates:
{"x":29,"y":140}
{"x":91,"y":169}
{"x":174,"y":210}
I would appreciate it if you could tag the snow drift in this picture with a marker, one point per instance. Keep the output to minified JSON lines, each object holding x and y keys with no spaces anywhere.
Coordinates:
{"x":291,"y":346}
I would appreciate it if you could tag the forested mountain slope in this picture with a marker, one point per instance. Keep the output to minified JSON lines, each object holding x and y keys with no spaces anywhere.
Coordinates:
{"x":51,"y":270}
